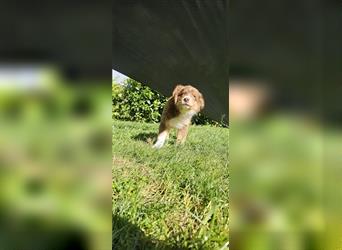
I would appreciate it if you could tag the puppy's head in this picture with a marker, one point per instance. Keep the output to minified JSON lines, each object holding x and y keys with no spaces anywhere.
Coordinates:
{"x":188,"y":98}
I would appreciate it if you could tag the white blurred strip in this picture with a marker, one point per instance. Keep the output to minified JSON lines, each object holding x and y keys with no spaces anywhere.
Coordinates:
{"x":26,"y":76}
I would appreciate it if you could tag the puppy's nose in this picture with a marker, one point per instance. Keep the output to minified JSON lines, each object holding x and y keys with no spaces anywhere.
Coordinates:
{"x":186,"y":99}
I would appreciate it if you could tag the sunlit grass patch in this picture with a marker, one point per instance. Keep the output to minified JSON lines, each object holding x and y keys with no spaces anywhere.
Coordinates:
{"x":173,"y":197}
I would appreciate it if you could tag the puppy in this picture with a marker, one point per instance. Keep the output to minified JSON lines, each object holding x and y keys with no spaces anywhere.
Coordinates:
{"x":185,"y":102}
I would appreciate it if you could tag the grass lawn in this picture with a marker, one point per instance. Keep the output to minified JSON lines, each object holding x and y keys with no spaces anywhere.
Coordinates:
{"x":172,"y":198}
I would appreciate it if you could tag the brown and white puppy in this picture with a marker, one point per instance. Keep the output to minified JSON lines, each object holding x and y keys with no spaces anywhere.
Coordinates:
{"x":185,"y":102}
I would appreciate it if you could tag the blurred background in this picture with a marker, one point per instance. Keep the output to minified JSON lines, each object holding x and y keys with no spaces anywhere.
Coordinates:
{"x":55,"y":123}
{"x":285,"y":124}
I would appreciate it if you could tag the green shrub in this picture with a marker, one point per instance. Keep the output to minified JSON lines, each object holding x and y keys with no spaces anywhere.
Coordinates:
{"x":133,"y":101}
{"x":202,"y":119}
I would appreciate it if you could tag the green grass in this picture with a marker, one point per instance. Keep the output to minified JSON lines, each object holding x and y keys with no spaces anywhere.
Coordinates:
{"x":172,"y":198}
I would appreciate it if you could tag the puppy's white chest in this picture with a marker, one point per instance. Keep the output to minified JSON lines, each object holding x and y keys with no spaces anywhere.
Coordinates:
{"x":181,"y":121}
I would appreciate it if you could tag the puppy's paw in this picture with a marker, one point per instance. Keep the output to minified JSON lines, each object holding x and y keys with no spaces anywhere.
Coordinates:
{"x":160,"y":141}
{"x":157,"y":145}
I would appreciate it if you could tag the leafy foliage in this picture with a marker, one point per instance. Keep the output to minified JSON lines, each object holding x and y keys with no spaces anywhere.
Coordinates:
{"x":135,"y":102}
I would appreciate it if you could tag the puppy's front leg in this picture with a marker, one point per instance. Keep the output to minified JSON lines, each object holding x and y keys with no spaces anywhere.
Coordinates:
{"x":162,"y":137}
{"x":182,"y":134}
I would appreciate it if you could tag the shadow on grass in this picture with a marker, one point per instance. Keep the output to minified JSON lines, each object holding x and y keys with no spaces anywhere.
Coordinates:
{"x":127,"y":236}
{"x":145,"y":137}
{"x":151,"y":138}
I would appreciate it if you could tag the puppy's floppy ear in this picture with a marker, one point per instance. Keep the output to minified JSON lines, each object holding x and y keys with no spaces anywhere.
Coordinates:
{"x":201,"y":100}
{"x":175,"y":92}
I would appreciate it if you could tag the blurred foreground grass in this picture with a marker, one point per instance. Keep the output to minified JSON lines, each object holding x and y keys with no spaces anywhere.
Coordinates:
{"x":54,"y":175}
{"x":285,"y":184}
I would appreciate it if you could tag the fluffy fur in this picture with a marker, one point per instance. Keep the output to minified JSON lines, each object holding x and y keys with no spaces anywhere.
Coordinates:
{"x":185,"y":102}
